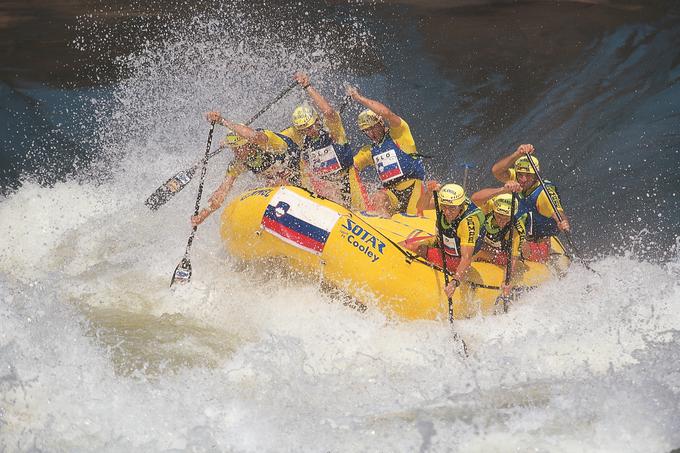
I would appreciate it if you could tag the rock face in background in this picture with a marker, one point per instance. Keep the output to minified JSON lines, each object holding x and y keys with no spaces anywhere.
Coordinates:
{"x":38,"y":38}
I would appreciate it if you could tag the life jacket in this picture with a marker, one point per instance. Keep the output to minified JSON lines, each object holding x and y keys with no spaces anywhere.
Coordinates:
{"x":262,"y":160}
{"x":326,"y":157}
{"x":497,"y":237}
{"x":395,"y":165}
{"x":538,"y":226}
{"x":450,"y":235}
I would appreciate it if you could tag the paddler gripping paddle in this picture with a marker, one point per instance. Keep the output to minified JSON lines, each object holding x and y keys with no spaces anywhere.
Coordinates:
{"x":559,"y":217}
{"x":440,"y":237}
{"x":178,"y":182}
{"x":182,"y":272}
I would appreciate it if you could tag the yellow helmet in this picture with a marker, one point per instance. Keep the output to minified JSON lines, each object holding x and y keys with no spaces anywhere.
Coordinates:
{"x":304,"y":116}
{"x":502,"y":204}
{"x":522,"y":165}
{"x":367,"y":119}
{"x":452,"y":195}
{"x":234,"y":140}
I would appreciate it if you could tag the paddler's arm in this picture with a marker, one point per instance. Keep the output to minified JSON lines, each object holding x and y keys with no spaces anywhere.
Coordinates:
{"x":468,"y":232}
{"x":379,"y":108}
{"x":482,"y":196}
{"x":426,"y":200}
{"x":215,"y":200}
{"x":466,"y":252}
{"x":250,"y":134}
{"x":501,"y":168}
{"x":330,"y":115}
{"x":545,"y":209}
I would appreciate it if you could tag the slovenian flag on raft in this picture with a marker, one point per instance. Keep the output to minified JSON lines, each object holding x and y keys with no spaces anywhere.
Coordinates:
{"x":299,"y":221}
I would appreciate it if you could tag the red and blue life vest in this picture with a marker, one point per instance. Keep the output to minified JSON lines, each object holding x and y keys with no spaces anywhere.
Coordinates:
{"x":326,"y":157}
{"x":538,"y":226}
{"x":395,"y":165}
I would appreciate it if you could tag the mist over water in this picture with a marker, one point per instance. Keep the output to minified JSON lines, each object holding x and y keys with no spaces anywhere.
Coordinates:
{"x":96,"y":354}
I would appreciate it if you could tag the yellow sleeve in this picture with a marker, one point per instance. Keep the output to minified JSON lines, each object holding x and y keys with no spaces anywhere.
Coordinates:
{"x":402,"y":136}
{"x":275,"y":144}
{"x":363,"y":157}
{"x":468,"y":230}
{"x":513,"y":175}
{"x":519,"y":235}
{"x":293,"y":134}
{"x":336,"y":129}
{"x":543,"y":203}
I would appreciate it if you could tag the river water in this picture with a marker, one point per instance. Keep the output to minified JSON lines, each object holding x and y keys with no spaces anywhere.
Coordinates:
{"x":97,"y":354}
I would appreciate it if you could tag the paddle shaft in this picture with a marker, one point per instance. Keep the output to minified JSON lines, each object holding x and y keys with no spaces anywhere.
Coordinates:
{"x":508,"y":266}
{"x":256,"y":116}
{"x":557,"y":213}
{"x":200,"y":187}
{"x":466,"y":167}
{"x":440,"y":237}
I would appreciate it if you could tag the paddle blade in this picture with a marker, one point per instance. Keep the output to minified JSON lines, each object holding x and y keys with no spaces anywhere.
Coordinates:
{"x":459,"y":345}
{"x":171,"y":187}
{"x":502,"y":303}
{"x":182,"y":273}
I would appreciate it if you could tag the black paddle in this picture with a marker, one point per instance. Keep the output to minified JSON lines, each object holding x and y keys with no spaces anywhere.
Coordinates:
{"x":178,"y":182}
{"x":559,"y":217}
{"x":440,"y":237}
{"x":505,"y":298}
{"x":182,"y":272}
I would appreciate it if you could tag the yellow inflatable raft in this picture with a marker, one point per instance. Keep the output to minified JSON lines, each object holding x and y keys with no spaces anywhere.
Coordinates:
{"x":360,"y":253}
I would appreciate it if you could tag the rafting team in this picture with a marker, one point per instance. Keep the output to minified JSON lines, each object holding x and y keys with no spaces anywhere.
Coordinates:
{"x":314,"y":153}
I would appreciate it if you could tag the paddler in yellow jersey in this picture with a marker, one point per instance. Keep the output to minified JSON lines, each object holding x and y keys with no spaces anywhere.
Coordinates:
{"x":541,"y":222}
{"x":326,"y":157}
{"x":496,"y":204}
{"x":269,"y":155}
{"x":393,"y":152}
{"x":462,"y":228}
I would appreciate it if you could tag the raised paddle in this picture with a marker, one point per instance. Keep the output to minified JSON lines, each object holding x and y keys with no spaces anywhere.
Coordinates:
{"x":504,"y":299}
{"x":180,"y":180}
{"x":559,"y":217}
{"x":182,"y":272}
{"x":467,"y":166}
{"x":440,"y":237}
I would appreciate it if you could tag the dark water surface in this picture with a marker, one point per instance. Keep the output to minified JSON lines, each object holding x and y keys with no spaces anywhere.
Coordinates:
{"x":595,"y":87}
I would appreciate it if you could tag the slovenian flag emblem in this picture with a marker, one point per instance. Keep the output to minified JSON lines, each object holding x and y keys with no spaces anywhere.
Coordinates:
{"x":387,"y":172}
{"x":329,"y":166}
{"x":299,"y":221}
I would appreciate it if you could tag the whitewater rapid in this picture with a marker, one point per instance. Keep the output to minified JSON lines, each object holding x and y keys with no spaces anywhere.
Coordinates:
{"x":99,"y":354}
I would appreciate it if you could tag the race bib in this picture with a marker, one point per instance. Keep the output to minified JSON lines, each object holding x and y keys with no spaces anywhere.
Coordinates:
{"x":388,"y":166}
{"x":450,"y":246}
{"x":324,"y":160}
